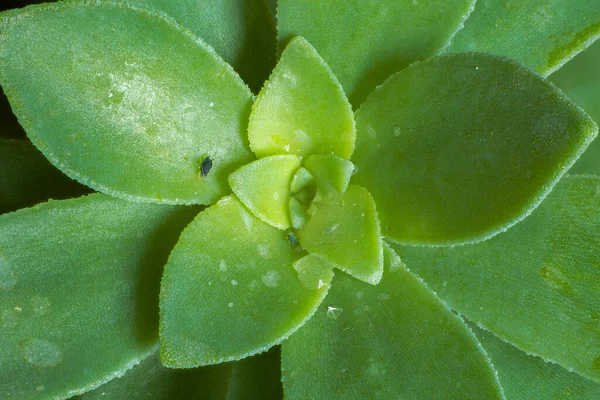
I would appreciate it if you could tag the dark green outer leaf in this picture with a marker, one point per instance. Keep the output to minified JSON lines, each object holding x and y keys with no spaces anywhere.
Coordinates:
{"x":128,"y":113}
{"x":525,"y":377}
{"x":580,"y":80}
{"x":542,"y":34}
{"x":257,"y":378}
{"x":535,"y":285}
{"x":27,"y":178}
{"x":456,"y":149}
{"x":364,"y":42}
{"x":79,"y":283}
{"x":240,"y":31}
{"x":395,"y":340}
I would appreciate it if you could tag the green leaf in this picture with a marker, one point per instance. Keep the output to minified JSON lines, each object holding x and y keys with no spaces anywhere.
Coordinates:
{"x":264,"y":187}
{"x":229,"y":289}
{"x":72,"y":314}
{"x":152,"y":381}
{"x":27,"y":178}
{"x":331,"y":174}
{"x":302,"y":179}
{"x":456,"y":149}
{"x":242,"y":32}
{"x":126,"y":112}
{"x":302,"y":109}
{"x":535,"y":285}
{"x":313,"y":271}
{"x":525,"y":377}
{"x":346,"y":233}
{"x":364,"y":42}
{"x":395,"y":340}
{"x":542,"y":34}
{"x":580,"y":80}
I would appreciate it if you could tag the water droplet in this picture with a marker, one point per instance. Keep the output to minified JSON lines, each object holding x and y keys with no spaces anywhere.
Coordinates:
{"x":264,"y":251}
{"x":8,"y":279}
{"x":19,"y":309}
{"x":444,"y":284}
{"x":9,"y":319}
{"x":41,"y":353}
{"x":41,"y":388}
{"x":334,"y":312}
{"x":286,"y":147}
{"x":313,"y":272}
{"x":230,"y":305}
{"x":222,"y":266}
{"x":234,"y":282}
{"x":247,"y":218}
{"x":40,"y":304}
{"x":276,"y":196}
{"x":372,"y":133}
{"x":397,"y":131}
{"x":271,"y":278}
{"x":211,"y":105}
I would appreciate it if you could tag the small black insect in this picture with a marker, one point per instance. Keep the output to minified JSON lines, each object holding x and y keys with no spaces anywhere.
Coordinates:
{"x":292,"y":239}
{"x":205,"y":166}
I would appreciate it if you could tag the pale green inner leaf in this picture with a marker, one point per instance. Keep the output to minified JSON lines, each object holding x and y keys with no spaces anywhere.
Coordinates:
{"x":302,"y":178}
{"x":133,"y":117}
{"x":264,"y":187}
{"x":79,"y":284}
{"x":535,"y":285}
{"x":525,"y":377}
{"x":395,"y":340}
{"x":229,"y":289}
{"x":331,"y":174}
{"x":456,"y":149}
{"x":364,"y":42}
{"x":542,"y":34}
{"x":302,"y":109}
{"x":580,"y":80}
{"x":346,"y":232}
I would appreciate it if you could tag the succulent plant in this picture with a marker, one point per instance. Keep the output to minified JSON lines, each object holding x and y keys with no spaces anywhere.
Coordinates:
{"x":314,"y":199}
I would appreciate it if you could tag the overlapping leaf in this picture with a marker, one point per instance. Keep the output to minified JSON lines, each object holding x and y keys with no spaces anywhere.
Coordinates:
{"x":535,"y":285}
{"x":395,"y":340}
{"x":79,"y":283}
{"x":229,"y":289}
{"x":542,"y":34}
{"x":134,"y":116}
{"x":459,"y":148}
{"x":581,"y":82}
{"x":364,"y":42}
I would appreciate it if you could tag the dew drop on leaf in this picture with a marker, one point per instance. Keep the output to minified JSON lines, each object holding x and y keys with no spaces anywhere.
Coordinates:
{"x":271,"y":278}
{"x":334,"y":312}
{"x":40,"y":304}
{"x":41,"y":353}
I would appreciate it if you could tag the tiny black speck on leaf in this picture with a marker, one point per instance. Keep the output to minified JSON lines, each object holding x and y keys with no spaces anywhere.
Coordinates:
{"x":206,"y":166}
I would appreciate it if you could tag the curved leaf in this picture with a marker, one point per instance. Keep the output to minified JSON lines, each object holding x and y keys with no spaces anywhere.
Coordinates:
{"x":72,"y":314}
{"x":542,"y":34}
{"x":525,"y":377}
{"x":346,"y":233}
{"x":535,"y":285}
{"x":126,"y":112}
{"x":152,"y":381}
{"x":580,"y":80}
{"x":229,"y":289}
{"x":241,"y":31}
{"x":27,"y":178}
{"x":331,"y":174}
{"x":364,"y":42}
{"x":459,"y":148}
{"x":395,"y":340}
{"x":264,"y":187}
{"x":302,"y":108}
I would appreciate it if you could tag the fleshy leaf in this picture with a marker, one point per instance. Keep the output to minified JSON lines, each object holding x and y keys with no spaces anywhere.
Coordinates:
{"x":257,"y":377}
{"x":150,"y":380}
{"x":535,"y":285}
{"x":298,"y":213}
{"x":580,"y":80}
{"x":331,"y":174}
{"x":302,"y":109}
{"x":229,"y":289}
{"x":134,"y":116}
{"x":346,"y":233}
{"x":525,"y":377}
{"x":364,"y":42}
{"x":313,"y":271}
{"x":395,"y":340}
{"x":240,"y":31}
{"x":264,"y":187}
{"x":27,"y":178}
{"x":302,"y":178}
{"x":72,"y":314}
{"x":542,"y":34}
{"x":456,"y":149}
